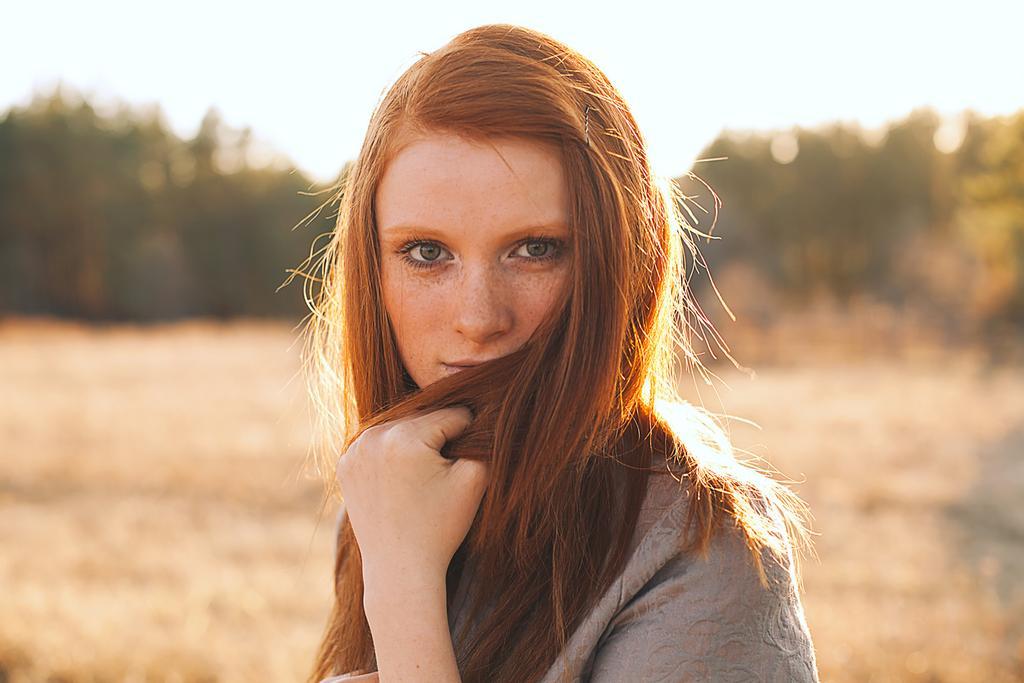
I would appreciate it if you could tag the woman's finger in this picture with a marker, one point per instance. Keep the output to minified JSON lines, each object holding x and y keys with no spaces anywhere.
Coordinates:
{"x":472,"y":473}
{"x":441,"y":426}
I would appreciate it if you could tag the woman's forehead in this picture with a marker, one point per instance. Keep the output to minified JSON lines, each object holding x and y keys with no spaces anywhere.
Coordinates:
{"x":446,"y":179}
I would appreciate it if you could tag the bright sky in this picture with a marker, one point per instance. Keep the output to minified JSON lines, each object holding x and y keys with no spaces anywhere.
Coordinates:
{"x":306,"y":75}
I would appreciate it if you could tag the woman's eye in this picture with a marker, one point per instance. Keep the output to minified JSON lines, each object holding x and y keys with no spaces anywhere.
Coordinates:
{"x":537,"y":249}
{"x":429,"y":252}
{"x":541,"y":249}
{"x":530,"y":250}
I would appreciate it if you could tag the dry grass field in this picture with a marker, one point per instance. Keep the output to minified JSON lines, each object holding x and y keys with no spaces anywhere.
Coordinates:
{"x":158,"y":523}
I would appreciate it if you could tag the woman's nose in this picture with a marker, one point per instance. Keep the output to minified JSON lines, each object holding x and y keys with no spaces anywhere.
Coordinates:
{"x":482,"y":309}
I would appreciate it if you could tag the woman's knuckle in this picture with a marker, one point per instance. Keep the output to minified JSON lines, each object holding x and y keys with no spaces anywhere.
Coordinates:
{"x":343,"y":466}
{"x":398,"y":434}
{"x":368,"y":434}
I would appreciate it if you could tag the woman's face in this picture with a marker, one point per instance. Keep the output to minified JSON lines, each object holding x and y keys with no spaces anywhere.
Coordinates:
{"x":474,"y":248}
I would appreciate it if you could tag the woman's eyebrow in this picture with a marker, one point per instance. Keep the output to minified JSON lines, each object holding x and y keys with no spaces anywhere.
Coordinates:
{"x":395,"y":231}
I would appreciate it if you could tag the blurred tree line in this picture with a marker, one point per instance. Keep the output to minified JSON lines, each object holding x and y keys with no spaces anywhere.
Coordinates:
{"x":112,"y":216}
{"x":925,"y":214}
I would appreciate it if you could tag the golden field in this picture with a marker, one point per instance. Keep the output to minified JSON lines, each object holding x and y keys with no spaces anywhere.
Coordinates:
{"x":159,"y":522}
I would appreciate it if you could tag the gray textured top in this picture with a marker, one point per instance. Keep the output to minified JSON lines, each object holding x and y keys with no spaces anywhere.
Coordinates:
{"x":673,"y":616}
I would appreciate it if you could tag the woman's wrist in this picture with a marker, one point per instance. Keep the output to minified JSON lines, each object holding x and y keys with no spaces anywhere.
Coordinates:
{"x":408,"y":616}
{"x":395,"y":586}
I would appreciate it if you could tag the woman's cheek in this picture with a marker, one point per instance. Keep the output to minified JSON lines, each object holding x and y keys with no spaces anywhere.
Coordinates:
{"x":539,"y":293}
{"x":417,"y":304}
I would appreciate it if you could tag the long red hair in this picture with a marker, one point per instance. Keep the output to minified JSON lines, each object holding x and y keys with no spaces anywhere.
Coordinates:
{"x":572,"y":422}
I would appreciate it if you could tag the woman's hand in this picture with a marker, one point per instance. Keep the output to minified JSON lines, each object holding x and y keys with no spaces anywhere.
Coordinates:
{"x":409,"y":506}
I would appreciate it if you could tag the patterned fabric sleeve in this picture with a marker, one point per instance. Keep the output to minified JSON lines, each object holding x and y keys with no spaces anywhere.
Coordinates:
{"x":710,"y":619}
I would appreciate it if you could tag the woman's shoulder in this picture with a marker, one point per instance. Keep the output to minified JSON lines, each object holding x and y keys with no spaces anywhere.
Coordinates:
{"x":666,"y":530}
{"x":702,"y":497}
{"x":683,"y":613}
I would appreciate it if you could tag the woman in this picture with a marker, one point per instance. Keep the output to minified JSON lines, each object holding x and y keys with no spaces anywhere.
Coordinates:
{"x":525,"y":496}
